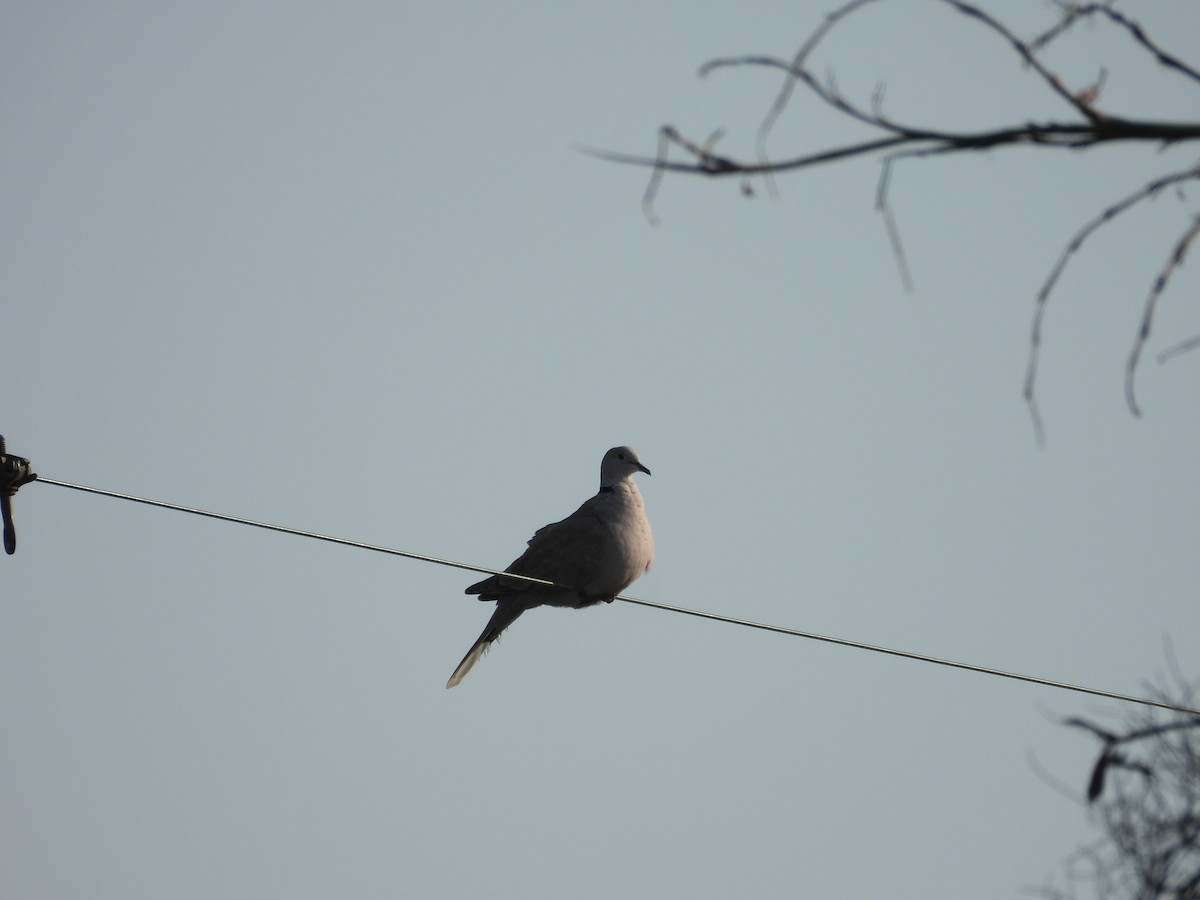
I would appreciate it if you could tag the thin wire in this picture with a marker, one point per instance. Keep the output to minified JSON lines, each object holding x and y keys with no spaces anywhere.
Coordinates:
{"x":346,"y":542}
{"x":715,"y":617}
{"x":919,"y":657}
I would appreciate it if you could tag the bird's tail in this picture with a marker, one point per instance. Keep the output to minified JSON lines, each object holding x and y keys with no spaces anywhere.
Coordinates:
{"x":506,"y":613}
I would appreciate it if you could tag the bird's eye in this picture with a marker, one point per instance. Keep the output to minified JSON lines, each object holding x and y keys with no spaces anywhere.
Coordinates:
{"x":620,"y":456}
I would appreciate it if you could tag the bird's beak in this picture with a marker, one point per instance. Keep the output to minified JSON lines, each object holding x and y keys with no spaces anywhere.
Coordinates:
{"x":643,"y":468}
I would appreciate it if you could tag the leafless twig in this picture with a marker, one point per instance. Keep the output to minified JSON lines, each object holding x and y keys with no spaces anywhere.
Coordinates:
{"x":884,"y":207}
{"x":1076,"y":12}
{"x":1177,"y":349}
{"x":1035,"y":341}
{"x":789,"y":84}
{"x":1160,"y":284}
{"x":1030,"y":58}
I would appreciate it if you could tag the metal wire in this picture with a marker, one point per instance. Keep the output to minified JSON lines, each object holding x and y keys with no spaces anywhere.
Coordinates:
{"x":715,"y":617}
{"x":421,"y":557}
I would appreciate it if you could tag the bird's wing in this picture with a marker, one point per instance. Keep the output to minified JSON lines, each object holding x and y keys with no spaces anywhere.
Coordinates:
{"x":567,"y":552}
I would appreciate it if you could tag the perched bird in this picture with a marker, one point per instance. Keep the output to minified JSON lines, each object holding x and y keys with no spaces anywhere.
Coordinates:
{"x":591,"y":555}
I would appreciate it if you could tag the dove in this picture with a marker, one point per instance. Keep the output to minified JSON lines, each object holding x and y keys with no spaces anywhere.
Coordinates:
{"x":590,"y":556}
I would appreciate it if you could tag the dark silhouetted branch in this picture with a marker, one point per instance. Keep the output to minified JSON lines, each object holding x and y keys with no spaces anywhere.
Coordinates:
{"x":1076,"y":12}
{"x":1150,"y":821}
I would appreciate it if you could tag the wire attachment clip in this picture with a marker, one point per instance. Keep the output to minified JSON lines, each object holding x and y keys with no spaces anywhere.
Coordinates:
{"x":14,"y":472}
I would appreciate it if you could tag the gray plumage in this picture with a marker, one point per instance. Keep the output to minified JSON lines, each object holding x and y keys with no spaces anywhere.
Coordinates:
{"x":592,"y":555}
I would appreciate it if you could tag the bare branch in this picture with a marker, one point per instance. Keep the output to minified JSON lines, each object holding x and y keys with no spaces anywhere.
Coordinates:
{"x":1177,"y":349}
{"x":1107,"y":736}
{"x":1160,"y":284}
{"x":889,"y":220}
{"x":1027,"y":54}
{"x":919,"y":140}
{"x":789,"y":84}
{"x":1136,"y":734}
{"x":708,"y":162}
{"x":1035,"y":341}
{"x":1059,"y":28}
{"x":916,"y":141}
{"x":1074,"y":12}
{"x":924,"y":142}
{"x":656,"y":175}
{"x":717,"y":166}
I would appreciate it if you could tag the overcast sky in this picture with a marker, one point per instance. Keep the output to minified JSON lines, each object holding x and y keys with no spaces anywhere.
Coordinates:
{"x":341,"y":267}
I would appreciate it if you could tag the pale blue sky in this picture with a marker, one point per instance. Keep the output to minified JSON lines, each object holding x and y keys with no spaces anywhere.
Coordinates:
{"x":339,"y":267}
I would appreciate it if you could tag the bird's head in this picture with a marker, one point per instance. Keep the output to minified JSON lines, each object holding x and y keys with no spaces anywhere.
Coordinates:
{"x":619,"y":464}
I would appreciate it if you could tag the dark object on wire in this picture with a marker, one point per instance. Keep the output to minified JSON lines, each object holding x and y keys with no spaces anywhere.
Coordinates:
{"x":14,"y":472}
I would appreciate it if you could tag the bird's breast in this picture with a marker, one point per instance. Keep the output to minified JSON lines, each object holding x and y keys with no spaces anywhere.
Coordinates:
{"x":629,"y":551}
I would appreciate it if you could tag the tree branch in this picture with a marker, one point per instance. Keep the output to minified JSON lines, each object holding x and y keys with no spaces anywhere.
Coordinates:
{"x":1149,"y":190}
{"x":1081,"y":106}
{"x":896,"y":141}
{"x":1074,"y":12}
{"x":1160,"y":283}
